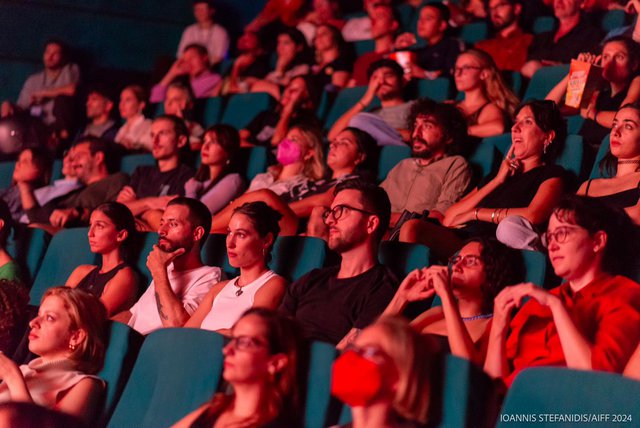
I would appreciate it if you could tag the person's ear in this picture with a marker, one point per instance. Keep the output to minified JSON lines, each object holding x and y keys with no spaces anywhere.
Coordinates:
{"x":599,"y":241}
{"x":182,"y":141}
{"x":198,"y":233}
{"x":99,"y":157}
{"x":122,"y":235}
{"x":373,"y":223}
{"x":443,"y":25}
{"x":277,"y":363}
{"x":77,"y":338}
{"x":1,"y":224}
{"x":517,"y":9}
{"x":360,"y":158}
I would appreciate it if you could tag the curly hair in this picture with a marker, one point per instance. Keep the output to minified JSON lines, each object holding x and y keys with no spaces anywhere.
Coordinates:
{"x":448,"y":116}
{"x":14,"y":298}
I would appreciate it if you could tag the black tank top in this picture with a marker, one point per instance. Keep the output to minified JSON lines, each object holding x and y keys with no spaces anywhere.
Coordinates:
{"x":624,"y":199}
{"x":95,"y":281}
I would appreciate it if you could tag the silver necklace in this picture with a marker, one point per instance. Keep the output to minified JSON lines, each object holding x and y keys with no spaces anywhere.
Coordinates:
{"x":477,"y":317}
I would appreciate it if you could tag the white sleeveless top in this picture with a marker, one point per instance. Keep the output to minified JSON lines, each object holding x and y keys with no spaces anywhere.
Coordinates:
{"x":228,"y":307}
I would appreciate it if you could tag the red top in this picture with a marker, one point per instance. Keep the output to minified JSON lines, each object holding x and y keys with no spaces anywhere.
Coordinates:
{"x":606,"y":312}
{"x":509,"y":53}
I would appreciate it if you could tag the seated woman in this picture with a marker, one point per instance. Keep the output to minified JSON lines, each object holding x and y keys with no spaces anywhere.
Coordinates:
{"x":69,"y":336}
{"x":32,"y":171}
{"x":622,"y":163}
{"x":14,"y":299}
{"x":387,"y":375}
{"x":264,"y":364}
{"x":466,"y":287}
{"x":300,"y":164}
{"x":135,"y":133}
{"x":333,"y":62}
{"x":297,"y":106}
{"x":349,"y":157}
{"x":215,"y":184}
{"x":111,"y":230}
{"x":294,"y":59}
{"x":590,"y":322}
{"x":252,"y":232}
{"x":527,"y":184}
{"x":488,"y":102}
{"x":620,"y":61}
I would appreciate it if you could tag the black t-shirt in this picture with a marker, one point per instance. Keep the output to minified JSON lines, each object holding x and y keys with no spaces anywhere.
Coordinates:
{"x":323,"y":76}
{"x":328,"y":308}
{"x":263,"y":126}
{"x":439,"y":57}
{"x":584,"y":37}
{"x":148,"y":181}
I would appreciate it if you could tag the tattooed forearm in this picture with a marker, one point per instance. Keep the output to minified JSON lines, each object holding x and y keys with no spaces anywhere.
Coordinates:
{"x":160,"y":311}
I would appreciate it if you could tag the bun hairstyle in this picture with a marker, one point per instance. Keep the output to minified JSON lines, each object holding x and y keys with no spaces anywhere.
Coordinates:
{"x":264,"y":219}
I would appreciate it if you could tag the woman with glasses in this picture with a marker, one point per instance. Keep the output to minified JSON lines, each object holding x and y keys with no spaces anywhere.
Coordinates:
{"x":387,"y":376}
{"x":527,"y":184}
{"x":251,"y":234}
{"x":349,"y":157}
{"x":488,"y":102}
{"x":590,"y":322}
{"x":264,"y":363}
{"x":466,"y":287}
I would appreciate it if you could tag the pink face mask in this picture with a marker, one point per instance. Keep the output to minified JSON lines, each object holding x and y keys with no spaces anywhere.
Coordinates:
{"x":288,"y":152}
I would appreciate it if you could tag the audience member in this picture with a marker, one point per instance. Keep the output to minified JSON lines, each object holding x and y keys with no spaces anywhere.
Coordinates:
{"x":574,"y":35}
{"x":387,"y":124}
{"x":509,"y":46}
{"x":389,"y":376}
{"x":194,"y":64}
{"x":152,"y":187}
{"x":265,"y":363}
{"x":590,"y":322}
{"x":111,"y":230}
{"x":433,"y":178}
{"x":251,"y":65}
{"x":620,"y":61}
{"x":90,"y":158}
{"x":528,"y":184}
{"x":488,"y":103}
{"x":466,"y":288}
{"x":384,"y":26}
{"x":216,"y":183}
{"x":360,"y":27}
{"x":438,"y":57}
{"x":322,"y":12}
{"x":179,"y":103}
{"x":32,"y":171}
{"x":296,"y":106}
{"x":69,"y":337}
{"x":251,"y":235}
{"x":334,"y":304}
{"x":333,"y":62}
{"x":294,"y":59}
{"x":285,"y":12}
{"x":135,"y":133}
{"x":205,"y":32}
{"x":9,"y":269}
{"x":30,"y":197}
{"x":100,"y":124}
{"x":47,"y":94}
{"x":180,"y":279}
{"x":14,"y":300}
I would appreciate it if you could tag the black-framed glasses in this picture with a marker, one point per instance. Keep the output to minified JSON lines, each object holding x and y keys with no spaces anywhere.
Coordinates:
{"x":337,"y":212}
{"x":244,"y":343}
{"x":464,"y":69}
{"x":560,"y":235}
{"x":470,"y":260}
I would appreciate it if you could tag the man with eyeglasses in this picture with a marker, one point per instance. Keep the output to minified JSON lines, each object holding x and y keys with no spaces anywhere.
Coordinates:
{"x":509,"y":46}
{"x":433,"y":178}
{"x":334,"y":304}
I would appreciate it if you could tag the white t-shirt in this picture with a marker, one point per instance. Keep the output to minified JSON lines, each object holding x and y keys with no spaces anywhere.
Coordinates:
{"x":214,"y":38}
{"x":190,"y":287}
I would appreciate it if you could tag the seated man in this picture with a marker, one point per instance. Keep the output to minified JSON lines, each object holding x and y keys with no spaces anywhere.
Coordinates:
{"x":384,"y":26}
{"x":151,"y":187}
{"x":574,"y":35}
{"x":360,"y":27}
{"x":99,"y":106}
{"x":509,"y":46}
{"x":41,"y":91}
{"x":90,"y":160}
{"x":179,"y":102}
{"x":438,"y":57}
{"x":431,"y":179}
{"x":8,"y":267}
{"x":192,"y":65}
{"x":205,"y":32}
{"x":180,"y":279}
{"x":334,"y":304}
{"x":387,"y":125}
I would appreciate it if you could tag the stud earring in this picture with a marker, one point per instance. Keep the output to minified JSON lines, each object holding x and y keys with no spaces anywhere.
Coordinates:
{"x":72,"y":347}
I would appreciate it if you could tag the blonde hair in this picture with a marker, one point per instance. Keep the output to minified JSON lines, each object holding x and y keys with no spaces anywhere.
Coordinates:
{"x":314,"y":167}
{"x":89,"y":314}
{"x":495,"y":87}
{"x":416,"y":360}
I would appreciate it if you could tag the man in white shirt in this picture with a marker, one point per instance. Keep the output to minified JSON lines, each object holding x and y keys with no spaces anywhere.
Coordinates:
{"x":206,"y":33}
{"x":180,"y":279}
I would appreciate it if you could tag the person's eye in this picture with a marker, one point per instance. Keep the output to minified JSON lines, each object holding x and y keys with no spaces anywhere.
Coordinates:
{"x":49,"y":318}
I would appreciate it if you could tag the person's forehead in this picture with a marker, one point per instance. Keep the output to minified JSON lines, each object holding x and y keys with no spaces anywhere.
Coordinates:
{"x":351,"y":197}
{"x":427,"y":118}
{"x":80,"y":148}
{"x":176,"y":212}
{"x":161,"y":124}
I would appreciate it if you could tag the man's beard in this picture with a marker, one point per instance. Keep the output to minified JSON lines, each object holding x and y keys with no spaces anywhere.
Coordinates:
{"x":504,"y":24}
{"x":169,"y":246}
{"x":426,"y":153}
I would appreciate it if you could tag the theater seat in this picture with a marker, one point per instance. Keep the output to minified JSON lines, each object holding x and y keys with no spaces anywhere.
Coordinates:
{"x":252,"y":161}
{"x":437,"y":89}
{"x":602,"y":152}
{"x":242,"y":108}
{"x":346,"y":98}
{"x":27,"y":246}
{"x":177,"y":370}
{"x":403,"y":257}
{"x":318,"y":402}
{"x":474,"y":32}
{"x":390,"y":156}
{"x":6,"y":173}
{"x":544,"y":80}
{"x":212,"y":111}
{"x":129,"y":163}
{"x":570,"y":393}
{"x":572,"y":154}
